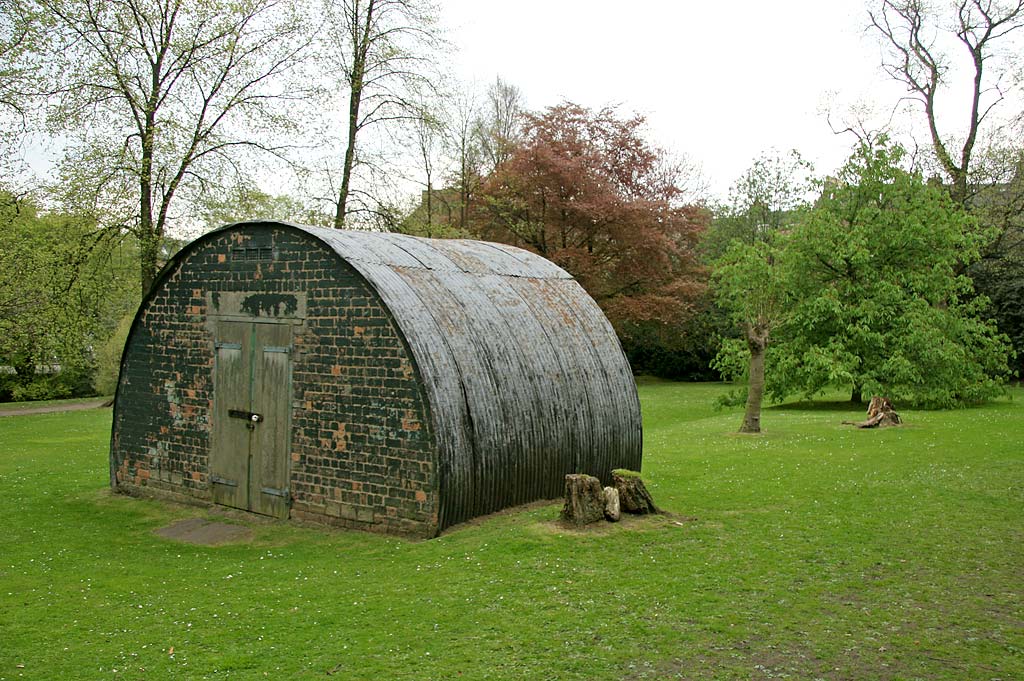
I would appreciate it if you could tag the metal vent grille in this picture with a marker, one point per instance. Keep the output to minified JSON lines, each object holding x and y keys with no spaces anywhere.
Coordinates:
{"x":253,"y":254}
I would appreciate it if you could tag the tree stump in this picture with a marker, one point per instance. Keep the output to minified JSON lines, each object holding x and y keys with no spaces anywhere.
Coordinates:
{"x":584,"y":500}
{"x":880,"y":414}
{"x":633,"y":494}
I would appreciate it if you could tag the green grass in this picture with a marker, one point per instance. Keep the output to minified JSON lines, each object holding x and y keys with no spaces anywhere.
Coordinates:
{"x":813,"y":551}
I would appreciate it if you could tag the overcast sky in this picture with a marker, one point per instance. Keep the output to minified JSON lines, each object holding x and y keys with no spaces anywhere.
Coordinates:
{"x":718,"y":81}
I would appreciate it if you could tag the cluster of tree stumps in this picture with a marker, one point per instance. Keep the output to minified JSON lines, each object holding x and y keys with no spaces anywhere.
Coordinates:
{"x":587,"y":501}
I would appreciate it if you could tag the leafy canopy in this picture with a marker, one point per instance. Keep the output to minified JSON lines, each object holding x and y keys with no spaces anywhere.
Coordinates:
{"x":586,"y":190}
{"x":64,"y":286}
{"x":873,"y":270}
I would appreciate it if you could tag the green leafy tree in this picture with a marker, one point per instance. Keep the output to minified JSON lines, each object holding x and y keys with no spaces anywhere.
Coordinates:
{"x":878,"y":301}
{"x":748,"y":279}
{"x":63,"y":289}
{"x":245,"y":202}
{"x":749,"y":283}
{"x":18,"y":40}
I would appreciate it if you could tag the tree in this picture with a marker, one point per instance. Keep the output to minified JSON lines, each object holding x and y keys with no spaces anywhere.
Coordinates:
{"x":499,"y":127}
{"x":877,"y":298}
{"x":20,"y":38}
{"x":17,"y":39}
{"x":979,"y":155}
{"x":747,"y":275}
{"x":62,"y":292}
{"x":437,"y":212}
{"x":382,"y":52}
{"x":761,"y":203}
{"x":463,"y":146}
{"x":584,"y":189}
{"x":910,"y":31}
{"x":245,"y":202}
{"x":157,"y":99}
{"x":749,"y":283}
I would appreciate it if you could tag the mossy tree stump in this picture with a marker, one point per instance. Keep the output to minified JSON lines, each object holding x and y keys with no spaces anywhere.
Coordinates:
{"x":633,"y":494}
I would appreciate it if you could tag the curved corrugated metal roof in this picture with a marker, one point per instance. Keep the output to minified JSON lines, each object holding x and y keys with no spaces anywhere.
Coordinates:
{"x":525,"y":377}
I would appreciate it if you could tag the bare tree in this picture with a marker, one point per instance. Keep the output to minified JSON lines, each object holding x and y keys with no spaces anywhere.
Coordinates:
{"x":426,"y":137}
{"x":159,"y":98}
{"x":910,"y":31}
{"x":500,"y":127}
{"x":383,"y":53}
{"x":465,"y":149}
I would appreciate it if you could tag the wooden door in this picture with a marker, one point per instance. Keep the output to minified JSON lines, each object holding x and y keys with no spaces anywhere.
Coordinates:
{"x":251,"y":426}
{"x":271,"y":399}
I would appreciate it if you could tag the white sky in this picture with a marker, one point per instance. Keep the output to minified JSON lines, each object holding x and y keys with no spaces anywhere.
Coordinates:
{"x":718,"y":81}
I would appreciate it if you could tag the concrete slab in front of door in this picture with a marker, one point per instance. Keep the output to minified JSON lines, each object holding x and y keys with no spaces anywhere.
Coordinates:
{"x":202,"y":531}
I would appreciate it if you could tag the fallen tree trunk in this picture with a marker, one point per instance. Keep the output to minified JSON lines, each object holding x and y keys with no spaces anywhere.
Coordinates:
{"x":880,"y":414}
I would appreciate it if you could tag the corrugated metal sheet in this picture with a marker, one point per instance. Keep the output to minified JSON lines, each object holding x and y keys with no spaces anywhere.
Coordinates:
{"x":525,"y":376}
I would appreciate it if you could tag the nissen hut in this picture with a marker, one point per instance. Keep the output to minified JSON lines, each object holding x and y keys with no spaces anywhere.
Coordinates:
{"x":367,"y":380}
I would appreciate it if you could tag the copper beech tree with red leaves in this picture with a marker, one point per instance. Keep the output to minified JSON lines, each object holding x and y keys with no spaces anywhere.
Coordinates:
{"x":585,"y":190}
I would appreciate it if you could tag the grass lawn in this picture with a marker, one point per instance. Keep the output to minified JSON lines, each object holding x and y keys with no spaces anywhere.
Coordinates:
{"x":813,"y":551}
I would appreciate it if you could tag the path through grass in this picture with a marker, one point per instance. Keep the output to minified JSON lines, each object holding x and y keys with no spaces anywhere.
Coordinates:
{"x":813,"y":551}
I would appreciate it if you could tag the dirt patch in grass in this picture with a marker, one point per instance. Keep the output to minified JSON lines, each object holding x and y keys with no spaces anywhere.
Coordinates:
{"x":628,"y":522}
{"x":206,"y":532}
{"x":555,"y":525}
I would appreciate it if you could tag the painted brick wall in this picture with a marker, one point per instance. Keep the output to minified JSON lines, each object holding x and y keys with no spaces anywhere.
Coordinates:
{"x":361,"y":452}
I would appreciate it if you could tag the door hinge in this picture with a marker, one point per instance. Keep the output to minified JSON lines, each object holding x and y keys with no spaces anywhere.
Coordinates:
{"x":283,"y":493}
{"x":217,"y":480}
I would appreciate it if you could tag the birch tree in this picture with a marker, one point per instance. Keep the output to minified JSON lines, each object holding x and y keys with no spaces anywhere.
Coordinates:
{"x":159,"y":100}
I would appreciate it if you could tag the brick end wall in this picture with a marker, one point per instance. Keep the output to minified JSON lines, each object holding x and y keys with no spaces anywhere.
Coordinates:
{"x":361,"y":449}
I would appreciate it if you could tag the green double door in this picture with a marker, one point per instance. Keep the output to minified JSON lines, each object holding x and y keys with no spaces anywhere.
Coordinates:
{"x":251,"y":425}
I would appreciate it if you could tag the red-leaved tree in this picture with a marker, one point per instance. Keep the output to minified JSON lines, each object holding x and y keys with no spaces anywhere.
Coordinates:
{"x":585,"y":190}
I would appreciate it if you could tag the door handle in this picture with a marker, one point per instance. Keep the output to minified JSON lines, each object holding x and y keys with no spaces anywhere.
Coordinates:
{"x":250,"y":416}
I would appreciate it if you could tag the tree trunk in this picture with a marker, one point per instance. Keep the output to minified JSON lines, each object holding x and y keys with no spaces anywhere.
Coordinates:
{"x":430,"y":206}
{"x":350,"y":156}
{"x":149,"y":255}
{"x":361,"y":39}
{"x":757,"y":341}
{"x":584,"y":500}
{"x":633,"y":494}
{"x":149,"y":242}
{"x":856,"y":396}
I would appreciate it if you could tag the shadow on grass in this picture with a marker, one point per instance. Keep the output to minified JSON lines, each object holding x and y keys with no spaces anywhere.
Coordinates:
{"x":845,"y":405}
{"x":820,"y":405}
